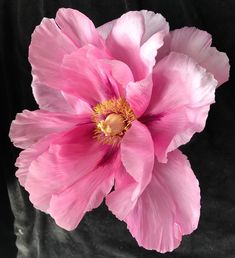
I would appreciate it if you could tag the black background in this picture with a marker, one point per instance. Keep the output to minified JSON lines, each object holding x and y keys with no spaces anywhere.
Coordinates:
{"x":211,"y":153}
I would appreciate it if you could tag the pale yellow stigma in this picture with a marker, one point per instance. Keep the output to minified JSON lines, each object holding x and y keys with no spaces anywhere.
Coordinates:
{"x":113,"y":125}
{"x":113,"y":118}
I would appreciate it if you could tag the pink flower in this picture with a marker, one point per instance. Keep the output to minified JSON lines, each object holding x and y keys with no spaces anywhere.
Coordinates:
{"x":115,"y":104}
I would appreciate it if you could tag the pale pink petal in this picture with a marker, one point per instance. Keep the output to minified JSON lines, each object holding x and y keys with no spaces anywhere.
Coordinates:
{"x":55,"y":100}
{"x":178,"y":80}
{"x":78,"y":27}
{"x":45,"y":62}
{"x":31,"y":126}
{"x":129,"y":33}
{"x":69,"y":206}
{"x":138,"y":95}
{"x":50,"y":99}
{"x":197,"y":44}
{"x":67,"y":159}
{"x":79,"y":106}
{"x":181,"y":96}
{"x":138,"y":159}
{"x":156,"y":28}
{"x":168,"y":208}
{"x":106,"y":28}
{"x":93,"y":79}
{"x":148,"y":50}
{"x":153,"y":22}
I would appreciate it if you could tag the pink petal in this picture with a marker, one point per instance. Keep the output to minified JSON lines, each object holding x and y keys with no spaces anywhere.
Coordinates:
{"x":197,"y":44}
{"x":69,"y":206}
{"x":29,"y":127}
{"x":45,"y":62}
{"x":168,"y":208}
{"x":120,"y":201}
{"x":181,"y":97}
{"x":78,"y":27}
{"x":26,"y":157}
{"x":46,"y":65}
{"x":176,"y":128}
{"x":136,"y":158}
{"x":138,"y":95}
{"x":118,"y":74}
{"x":129,"y":33}
{"x":67,"y":159}
{"x":92,"y":79}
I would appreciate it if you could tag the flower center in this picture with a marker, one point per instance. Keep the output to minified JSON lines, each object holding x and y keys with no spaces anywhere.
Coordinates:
{"x":113,"y":118}
{"x":112,"y":125}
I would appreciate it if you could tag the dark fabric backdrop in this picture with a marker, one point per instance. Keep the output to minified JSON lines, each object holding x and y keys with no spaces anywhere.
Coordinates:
{"x":211,"y":153}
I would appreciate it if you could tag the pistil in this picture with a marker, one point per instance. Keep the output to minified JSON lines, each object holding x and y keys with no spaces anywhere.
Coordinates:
{"x":113,"y":118}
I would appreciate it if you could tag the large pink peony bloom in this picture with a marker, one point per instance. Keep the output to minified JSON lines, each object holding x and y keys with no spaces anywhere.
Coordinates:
{"x":115,"y":104}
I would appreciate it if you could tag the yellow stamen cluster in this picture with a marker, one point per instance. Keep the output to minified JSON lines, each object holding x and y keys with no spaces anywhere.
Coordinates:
{"x":113,"y":118}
